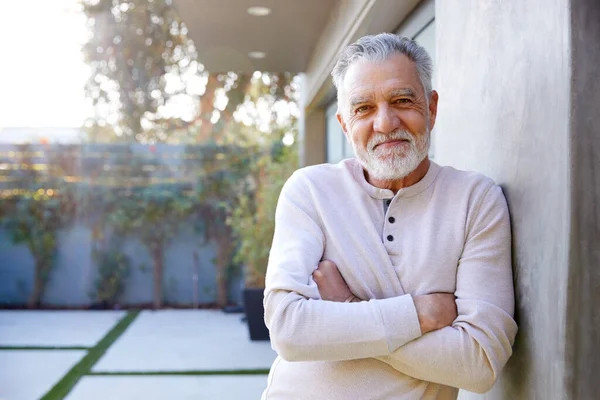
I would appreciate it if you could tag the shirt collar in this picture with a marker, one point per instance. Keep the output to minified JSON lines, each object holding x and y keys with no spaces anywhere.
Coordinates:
{"x":409,"y":191}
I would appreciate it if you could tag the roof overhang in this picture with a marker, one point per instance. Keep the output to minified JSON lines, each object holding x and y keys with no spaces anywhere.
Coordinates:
{"x":224,"y":33}
{"x":298,"y":35}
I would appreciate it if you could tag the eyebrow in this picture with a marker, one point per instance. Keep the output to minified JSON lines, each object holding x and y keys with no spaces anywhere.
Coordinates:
{"x":407,"y":92}
{"x":354,"y":101}
{"x":361,"y":99}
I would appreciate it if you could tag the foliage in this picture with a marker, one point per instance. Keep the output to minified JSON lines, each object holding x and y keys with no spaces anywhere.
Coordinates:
{"x":154,"y":215}
{"x":142,"y":64}
{"x":147,"y":84}
{"x":132,"y":47}
{"x":113,"y":269}
{"x":35,"y":218}
{"x":42,"y":206}
{"x":224,"y":179}
{"x":253,"y":220}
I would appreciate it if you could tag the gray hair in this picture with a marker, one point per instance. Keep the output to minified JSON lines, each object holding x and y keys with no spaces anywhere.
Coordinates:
{"x":380,"y":48}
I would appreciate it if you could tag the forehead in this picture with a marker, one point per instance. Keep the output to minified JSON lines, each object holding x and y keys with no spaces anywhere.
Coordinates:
{"x":367,"y":77}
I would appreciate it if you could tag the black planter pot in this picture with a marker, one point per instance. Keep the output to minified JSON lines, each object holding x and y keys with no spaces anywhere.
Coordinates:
{"x":102,"y":305}
{"x":255,"y":314}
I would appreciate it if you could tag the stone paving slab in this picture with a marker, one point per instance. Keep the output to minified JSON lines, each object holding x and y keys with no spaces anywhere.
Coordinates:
{"x":231,"y":387}
{"x":55,"y":328}
{"x":29,"y":374}
{"x":186,"y":340}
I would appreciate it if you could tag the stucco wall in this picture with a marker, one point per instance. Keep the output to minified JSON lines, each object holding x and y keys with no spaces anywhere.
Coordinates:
{"x":506,"y":97}
{"x":583,"y":317}
{"x":72,"y":281}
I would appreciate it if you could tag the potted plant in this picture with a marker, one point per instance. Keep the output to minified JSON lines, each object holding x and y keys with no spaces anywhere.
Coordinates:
{"x":253,"y":225}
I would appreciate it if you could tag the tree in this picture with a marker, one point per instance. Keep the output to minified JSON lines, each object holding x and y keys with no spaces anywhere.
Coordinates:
{"x":143,"y":64}
{"x":253,"y":220}
{"x":223,"y":183}
{"x":154,"y":215}
{"x":148,"y":86}
{"x":43,"y":206}
{"x":133,"y":46}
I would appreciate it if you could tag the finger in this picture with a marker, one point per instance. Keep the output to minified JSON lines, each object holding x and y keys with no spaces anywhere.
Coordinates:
{"x":317,"y":275}
{"x":326,"y":264}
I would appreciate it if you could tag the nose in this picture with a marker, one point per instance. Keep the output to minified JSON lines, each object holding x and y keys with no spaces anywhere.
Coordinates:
{"x":385,"y":120}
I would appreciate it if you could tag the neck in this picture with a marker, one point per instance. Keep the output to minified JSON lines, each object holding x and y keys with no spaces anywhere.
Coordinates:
{"x":396,"y":184}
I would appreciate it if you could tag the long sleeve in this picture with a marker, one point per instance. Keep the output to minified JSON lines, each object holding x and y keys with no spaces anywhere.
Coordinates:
{"x":471,"y":353}
{"x":305,"y":328}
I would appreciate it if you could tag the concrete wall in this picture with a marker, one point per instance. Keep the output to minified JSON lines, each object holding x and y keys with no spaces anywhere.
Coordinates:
{"x":519,"y":101}
{"x":583,"y":299}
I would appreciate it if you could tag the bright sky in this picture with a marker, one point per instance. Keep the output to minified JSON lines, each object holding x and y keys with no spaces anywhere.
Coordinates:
{"x":42,"y":73}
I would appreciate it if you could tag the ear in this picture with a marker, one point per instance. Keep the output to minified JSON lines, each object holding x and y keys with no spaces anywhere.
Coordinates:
{"x":433,"y":104}
{"x":340,"y":119}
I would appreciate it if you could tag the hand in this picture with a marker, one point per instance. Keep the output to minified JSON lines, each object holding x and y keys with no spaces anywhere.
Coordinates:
{"x":331,"y":284}
{"x":435,"y":311}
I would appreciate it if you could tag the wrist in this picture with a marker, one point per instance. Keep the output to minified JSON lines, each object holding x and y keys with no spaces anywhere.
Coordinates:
{"x":424,"y":320}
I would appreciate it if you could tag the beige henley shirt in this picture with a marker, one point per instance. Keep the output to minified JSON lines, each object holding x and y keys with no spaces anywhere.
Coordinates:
{"x":447,"y":233}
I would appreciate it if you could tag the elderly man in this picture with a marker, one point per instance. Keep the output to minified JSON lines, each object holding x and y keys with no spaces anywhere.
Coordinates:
{"x":389,"y":276}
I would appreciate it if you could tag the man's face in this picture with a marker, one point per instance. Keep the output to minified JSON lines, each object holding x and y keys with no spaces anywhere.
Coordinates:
{"x":385,"y":116}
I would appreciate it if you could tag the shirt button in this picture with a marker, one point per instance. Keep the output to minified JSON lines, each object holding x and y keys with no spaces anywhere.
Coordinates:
{"x":390,"y":238}
{"x":392,"y":220}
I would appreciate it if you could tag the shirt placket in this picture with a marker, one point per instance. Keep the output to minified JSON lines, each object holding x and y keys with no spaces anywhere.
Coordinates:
{"x":390,"y":230}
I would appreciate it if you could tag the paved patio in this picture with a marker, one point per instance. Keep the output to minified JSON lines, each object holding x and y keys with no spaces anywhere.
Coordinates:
{"x":170,"y":354}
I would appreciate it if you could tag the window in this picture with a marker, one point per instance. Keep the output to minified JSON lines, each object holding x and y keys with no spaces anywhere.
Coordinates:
{"x":338,"y":148}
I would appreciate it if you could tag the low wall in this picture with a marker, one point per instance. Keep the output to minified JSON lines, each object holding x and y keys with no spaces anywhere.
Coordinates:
{"x":72,"y":282}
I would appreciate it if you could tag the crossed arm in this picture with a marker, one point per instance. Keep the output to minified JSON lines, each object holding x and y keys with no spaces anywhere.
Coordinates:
{"x":431,"y":356}
{"x":435,"y":311}
{"x":462,"y":343}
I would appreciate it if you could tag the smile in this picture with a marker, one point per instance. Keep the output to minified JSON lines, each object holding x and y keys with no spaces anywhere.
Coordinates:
{"x":392,"y":143}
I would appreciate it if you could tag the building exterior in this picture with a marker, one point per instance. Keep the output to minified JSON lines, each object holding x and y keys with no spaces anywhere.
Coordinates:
{"x":519,"y":87}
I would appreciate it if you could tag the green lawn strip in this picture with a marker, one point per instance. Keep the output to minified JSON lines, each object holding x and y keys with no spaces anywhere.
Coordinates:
{"x":44,"y":348}
{"x":83,"y":367}
{"x":179,"y":373}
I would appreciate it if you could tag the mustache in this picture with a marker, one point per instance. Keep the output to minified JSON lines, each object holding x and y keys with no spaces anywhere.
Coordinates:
{"x":379,"y":138}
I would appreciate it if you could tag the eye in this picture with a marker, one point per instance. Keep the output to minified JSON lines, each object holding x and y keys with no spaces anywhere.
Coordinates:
{"x":402,"y":101}
{"x":361,"y":109}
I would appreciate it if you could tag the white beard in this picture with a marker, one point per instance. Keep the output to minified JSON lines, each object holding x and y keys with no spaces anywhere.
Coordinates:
{"x":395,"y":163}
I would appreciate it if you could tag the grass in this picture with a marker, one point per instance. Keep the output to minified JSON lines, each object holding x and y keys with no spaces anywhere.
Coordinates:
{"x":44,"y":348}
{"x":184,"y":373}
{"x":83,"y":367}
